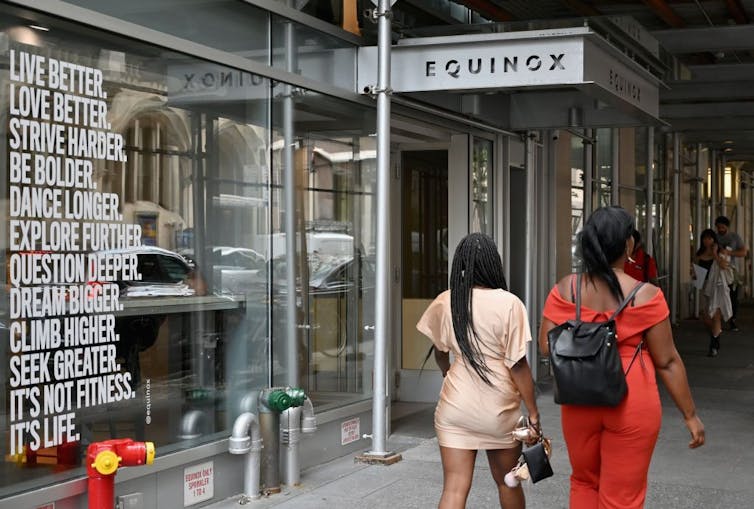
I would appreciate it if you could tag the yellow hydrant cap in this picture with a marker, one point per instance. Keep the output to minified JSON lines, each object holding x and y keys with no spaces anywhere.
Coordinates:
{"x":150,"y":452}
{"x":106,"y":462}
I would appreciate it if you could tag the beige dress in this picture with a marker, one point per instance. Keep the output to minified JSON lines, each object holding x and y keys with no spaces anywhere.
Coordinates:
{"x":471,"y":414}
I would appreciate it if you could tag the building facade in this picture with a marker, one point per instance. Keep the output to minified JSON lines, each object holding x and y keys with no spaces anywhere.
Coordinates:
{"x":190,"y":218}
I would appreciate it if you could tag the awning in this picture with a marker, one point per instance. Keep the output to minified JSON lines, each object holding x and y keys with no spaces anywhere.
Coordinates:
{"x":535,"y":79}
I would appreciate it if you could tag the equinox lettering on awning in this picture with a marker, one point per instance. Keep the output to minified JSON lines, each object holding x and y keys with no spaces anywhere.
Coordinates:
{"x":624,"y":86}
{"x":568,"y":59}
{"x":492,"y":65}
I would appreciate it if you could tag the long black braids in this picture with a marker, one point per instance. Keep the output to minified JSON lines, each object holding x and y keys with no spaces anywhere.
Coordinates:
{"x":476,"y":263}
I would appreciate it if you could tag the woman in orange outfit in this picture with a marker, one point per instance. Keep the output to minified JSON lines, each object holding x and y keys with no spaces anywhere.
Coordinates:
{"x":610,"y":447}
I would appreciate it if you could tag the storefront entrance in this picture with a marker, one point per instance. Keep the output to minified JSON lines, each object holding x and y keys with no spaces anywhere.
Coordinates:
{"x":424,"y":261}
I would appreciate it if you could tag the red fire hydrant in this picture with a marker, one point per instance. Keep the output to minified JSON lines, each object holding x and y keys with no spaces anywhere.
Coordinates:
{"x":102,"y":462}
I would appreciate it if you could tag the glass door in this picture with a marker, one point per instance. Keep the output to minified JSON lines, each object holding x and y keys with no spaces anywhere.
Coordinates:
{"x":335,"y":175}
{"x":424,"y":241}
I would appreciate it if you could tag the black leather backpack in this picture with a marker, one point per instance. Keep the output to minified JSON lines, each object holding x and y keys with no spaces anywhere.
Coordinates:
{"x":585,"y":360}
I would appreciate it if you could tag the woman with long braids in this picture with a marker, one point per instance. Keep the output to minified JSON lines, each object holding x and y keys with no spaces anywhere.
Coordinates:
{"x":610,"y":447}
{"x":487,"y":330}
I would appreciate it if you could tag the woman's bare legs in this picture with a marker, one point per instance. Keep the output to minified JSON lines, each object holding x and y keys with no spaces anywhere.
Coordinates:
{"x":717,"y":323}
{"x":457,"y":471}
{"x":501,"y":462}
{"x":714,"y":324}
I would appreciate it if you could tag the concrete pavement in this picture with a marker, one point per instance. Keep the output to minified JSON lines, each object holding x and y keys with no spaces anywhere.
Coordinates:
{"x":720,"y":475}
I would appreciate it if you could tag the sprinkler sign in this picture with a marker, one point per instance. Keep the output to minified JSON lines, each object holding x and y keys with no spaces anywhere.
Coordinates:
{"x":349,"y":431}
{"x":198,"y":483}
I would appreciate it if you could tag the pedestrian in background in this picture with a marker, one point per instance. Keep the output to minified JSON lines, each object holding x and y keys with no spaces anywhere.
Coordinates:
{"x":610,"y":448}
{"x":640,"y":265}
{"x":715,"y":306}
{"x":487,"y":329}
{"x":736,"y":248}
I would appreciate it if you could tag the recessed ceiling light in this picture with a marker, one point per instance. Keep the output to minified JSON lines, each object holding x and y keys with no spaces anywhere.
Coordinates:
{"x":40,"y":28}
{"x":728,"y":142}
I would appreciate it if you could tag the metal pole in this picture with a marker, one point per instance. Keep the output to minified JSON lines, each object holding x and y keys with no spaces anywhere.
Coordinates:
{"x":615,"y":184}
{"x":504,"y":204}
{"x":699,"y":194}
{"x":379,"y":403}
{"x":552,"y":217}
{"x":289,"y":184}
{"x":649,"y":234}
{"x":751,"y":232}
{"x":713,"y":192}
{"x":589,"y":149}
{"x":676,"y":234}
{"x":531,"y":239}
{"x":723,"y":204}
{"x":698,"y":213}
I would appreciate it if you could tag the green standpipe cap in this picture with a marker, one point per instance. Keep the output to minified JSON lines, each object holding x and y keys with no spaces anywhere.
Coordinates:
{"x":298,"y":396}
{"x":278,"y":401}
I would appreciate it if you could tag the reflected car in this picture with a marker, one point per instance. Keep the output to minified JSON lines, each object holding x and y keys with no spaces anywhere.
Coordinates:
{"x":335,"y":313}
{"x":328,"y":274}
{"x":235,"y":270}
{"x":163,"y":274}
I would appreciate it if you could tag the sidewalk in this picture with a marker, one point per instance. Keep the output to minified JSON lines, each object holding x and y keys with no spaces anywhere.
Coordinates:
{"x":717,"y":476}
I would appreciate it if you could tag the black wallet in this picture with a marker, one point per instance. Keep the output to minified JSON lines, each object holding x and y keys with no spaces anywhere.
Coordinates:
{"x":538,"y":462}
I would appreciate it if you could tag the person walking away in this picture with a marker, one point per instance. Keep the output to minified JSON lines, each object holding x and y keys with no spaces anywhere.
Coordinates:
{"x":610,"y":448}
{"x":640,"y":265}
{"x":716,"y":303}
{"x":487,"y":329}
{"x":731,"y":241}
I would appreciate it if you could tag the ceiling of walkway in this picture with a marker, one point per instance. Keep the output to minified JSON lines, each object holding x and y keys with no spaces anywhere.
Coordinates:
{"x":712,"y":98}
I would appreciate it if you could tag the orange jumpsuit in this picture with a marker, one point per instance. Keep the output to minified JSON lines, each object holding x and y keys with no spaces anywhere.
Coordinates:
{"x":610,"y":447}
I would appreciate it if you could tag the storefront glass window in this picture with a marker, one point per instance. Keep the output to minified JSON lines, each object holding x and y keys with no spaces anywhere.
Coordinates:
{"x":640,"y":158}
{"x":228,"y":25}
{"x":604,"y":166}
{"x":481,"y":186}
{"x":333,"y":161}
{"x":301,"y":50}
{"x":577,"y":193}
{"x":135,"y":240}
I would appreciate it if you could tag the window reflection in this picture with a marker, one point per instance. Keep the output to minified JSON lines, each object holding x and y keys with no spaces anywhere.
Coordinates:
{"x":334,"y":167}
{"x":481,"y":185}
{"x":604,"y":166}
{"x":192,"y":319}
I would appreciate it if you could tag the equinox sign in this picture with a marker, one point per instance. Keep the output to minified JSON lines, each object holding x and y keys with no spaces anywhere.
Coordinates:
{"x":456,"y":69}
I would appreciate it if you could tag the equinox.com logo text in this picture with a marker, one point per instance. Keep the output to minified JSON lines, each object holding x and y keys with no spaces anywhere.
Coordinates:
{"x":148,"y":401}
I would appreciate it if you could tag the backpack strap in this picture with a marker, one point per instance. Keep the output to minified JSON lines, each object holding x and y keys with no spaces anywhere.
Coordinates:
{"x":628,"y":299}
{"x":578,"y":296}
{"x":637,"y":351}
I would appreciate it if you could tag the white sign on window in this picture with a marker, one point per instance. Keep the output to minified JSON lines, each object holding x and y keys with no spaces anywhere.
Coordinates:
{"x":198,"y":483}
{"x":350,"y":431}
{"x":69,"y":250}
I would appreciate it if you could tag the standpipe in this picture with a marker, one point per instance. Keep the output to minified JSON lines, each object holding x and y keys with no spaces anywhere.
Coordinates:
{"x":103,"y":459}
{"x":272,"y":402}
